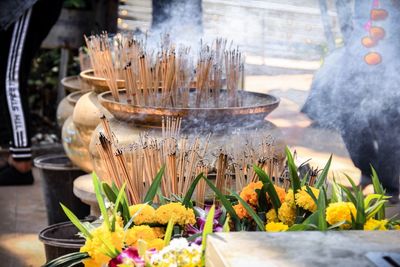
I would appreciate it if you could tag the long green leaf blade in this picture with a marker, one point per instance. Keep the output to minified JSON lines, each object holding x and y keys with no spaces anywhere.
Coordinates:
{"x":100,"y":200}
{"x":321,"y":206}
{"x":276,"y":202}
{"x":294,"y":177}
{"x":168,"y":232}
{"x":378,"y":188}
{"x":111,"y":196}
{"x":350,"y":196}
{"x":323,"y":175}
{"x":186,"y":201}
{"x":68,"y":259}
{"x":71,"y":216}
{"x":152,"y":192}
{"x":224,"y":202}
{"x":208,"y":227}
{"x":116,"y":205}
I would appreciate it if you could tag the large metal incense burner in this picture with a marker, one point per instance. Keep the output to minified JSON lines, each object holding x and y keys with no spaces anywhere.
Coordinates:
{"x":226,"y":124}
{"x":254,"y":106}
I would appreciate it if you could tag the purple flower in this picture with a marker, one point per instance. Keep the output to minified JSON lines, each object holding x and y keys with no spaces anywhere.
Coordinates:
{"x":200,"y":222}
{"x":128,"y":256}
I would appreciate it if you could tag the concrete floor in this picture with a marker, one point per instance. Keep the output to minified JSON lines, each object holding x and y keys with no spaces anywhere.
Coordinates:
{"x":23,"y":211}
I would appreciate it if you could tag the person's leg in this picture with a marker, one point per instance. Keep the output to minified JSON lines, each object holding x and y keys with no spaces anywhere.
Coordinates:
{"x":26,"y":36}
{"x":18,"y":170}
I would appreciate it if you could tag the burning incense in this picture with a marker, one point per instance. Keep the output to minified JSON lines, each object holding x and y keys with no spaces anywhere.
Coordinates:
{"x":163,"y":77}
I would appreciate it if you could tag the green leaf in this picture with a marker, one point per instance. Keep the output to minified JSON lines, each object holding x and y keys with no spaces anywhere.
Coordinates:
{"x":322,"y":177}
{"x":294,"y":177}
{"x":224,"y":202}
{"x":311,"y":193}
{"x":161,"y":198}
{"x":306,"y":224}
{"x":208,"y":227}
{"x":68,"y":259}
{"x":368,"y":199}
{"x":269,"y":188}
{"x":117,"y":202}
{"x":378,"y":188}
{"x":350,"y":196}
{"x":374,"y":209}
{"x":186,"y":201}
{"x":360,"y":217}
{"x":250,"y":211}
{"x":193,"y":237}
{"x":168,"y":232}
{"x":305,"y":179}
{"x":71,"y":216}
{"x":336,"y":195}
{"x":111,"y":196}
{"x":225,"y":227}
{"x":353,"y":184}
{"x":151,"y":193}
{"x":100,"y":200}
{"x":321,"y":206}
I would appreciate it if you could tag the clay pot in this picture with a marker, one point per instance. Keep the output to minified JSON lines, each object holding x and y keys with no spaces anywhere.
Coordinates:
{"x":86,"y":116}
{"x":66,"y":107}
{"x":74,"y":147}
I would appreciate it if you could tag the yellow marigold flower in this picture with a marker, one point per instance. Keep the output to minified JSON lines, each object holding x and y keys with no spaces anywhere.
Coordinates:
{"x":159,"y":232}
{"x":249,"y":194}
{"x":272,"y":216}
{"x":340,"y":211}
{"x":175,"y":211}
{"x":289,"y":198}
{"x":373,"y":224}
{"x":287,"y":214}
{"x":143,"y":232}
{"x":397,"y":227}
{"x":276,"y":227}
{"x":304,"y":200}
{"x":157,"y":243}
{"x":95,"y":246}
{"x":281,"y":193}
{"x":146,"y":215}
{"x":241,"y":211}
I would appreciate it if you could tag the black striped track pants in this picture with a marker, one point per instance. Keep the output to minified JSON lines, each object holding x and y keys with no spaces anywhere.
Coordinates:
{"x":18,"y":45}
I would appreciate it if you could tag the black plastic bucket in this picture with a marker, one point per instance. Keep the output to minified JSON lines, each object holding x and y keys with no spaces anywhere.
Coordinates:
{"x":60,"y":239}
{"x":58,"y":175}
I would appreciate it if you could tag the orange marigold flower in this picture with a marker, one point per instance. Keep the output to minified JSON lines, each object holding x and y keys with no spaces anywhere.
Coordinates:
{"x":249,"y":193}
{"x":241,"y":211}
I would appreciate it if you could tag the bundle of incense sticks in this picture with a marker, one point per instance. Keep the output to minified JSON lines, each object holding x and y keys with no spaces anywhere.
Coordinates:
{"x":262,"y":154}
{"x":138,"y":164}
{"x":163,"y":77}
{"x":102,"y":61}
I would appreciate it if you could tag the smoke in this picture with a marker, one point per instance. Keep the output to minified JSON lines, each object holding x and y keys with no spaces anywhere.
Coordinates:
{"x":362,"y":101}
{"x":348,"y":90}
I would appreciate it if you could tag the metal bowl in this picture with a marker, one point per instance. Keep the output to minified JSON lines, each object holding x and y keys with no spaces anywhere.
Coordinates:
{"x":99,"y":84}
{"x":255,"y":106}
{"x":73,"y":84}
